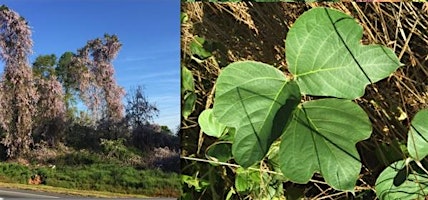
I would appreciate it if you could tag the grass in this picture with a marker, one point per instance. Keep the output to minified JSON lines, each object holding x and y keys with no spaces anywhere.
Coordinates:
{"x":111,"y":178}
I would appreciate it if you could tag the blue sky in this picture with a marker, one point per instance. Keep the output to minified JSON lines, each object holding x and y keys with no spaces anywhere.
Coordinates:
{"x":148,"y":29}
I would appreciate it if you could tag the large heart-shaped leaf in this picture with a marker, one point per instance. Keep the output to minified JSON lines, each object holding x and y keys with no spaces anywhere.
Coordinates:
{"x":401,"y":181}
{"x":324,"y":53}
{"x":321,"y":138}
{"x":417,"y":140}
{"x":257,"y":100}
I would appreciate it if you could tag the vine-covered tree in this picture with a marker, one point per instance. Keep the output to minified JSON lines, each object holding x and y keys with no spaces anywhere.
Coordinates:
{"x":97,"y":84}
{"x":49,"y":118}
{"x":18,"y":94}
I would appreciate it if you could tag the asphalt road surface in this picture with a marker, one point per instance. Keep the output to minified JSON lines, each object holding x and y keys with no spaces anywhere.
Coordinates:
{"x":15,"y":194}
{"x":6,"y":193}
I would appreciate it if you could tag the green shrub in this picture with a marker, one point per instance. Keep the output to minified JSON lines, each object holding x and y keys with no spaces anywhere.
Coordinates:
{"x":78,"y":158}
{"x":116,"y":149}
{"x":82,"y":137}
{"x":15,"y":172}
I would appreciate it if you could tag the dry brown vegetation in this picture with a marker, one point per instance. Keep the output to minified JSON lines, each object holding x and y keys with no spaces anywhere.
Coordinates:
{"x":257,"y":31}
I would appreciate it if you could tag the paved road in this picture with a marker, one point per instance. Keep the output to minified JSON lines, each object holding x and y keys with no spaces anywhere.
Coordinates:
{"x":15,"y":194}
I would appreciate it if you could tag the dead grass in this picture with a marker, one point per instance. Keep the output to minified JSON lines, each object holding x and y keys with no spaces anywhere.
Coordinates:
{"x":256,"y":31}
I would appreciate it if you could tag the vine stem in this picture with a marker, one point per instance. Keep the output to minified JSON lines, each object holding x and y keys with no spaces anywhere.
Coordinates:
{"x":229,"y":165}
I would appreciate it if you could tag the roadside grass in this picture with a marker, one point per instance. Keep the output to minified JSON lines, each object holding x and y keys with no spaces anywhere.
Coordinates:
{"x":108,"y":178}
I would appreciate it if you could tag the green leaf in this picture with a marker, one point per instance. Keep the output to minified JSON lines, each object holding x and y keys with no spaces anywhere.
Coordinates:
{"x":257,"y":100}
{"x":220,"y":151}
{"x":195,"y":182}
{"x":209,"y":125}
{"x":417,"y":141}
{"x":187,"y":83}
{"x":242,"y":182}
{"x":187,"y":92}
{"x":321,"y":138}
{"x":183,"y":17}
{"x":246,"y":179}
{"x":189,"y":104}
{"x":324,"y":53}
{"x":399,"y":181}
{"x":197,"y":48}
{"x":229,"y":135}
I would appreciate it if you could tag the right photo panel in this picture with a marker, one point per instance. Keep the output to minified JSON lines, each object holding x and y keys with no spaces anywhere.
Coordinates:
{"x":321,"y":100}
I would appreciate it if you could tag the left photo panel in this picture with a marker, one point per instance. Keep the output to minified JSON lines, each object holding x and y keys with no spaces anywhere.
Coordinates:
{"x":89,"y":99}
